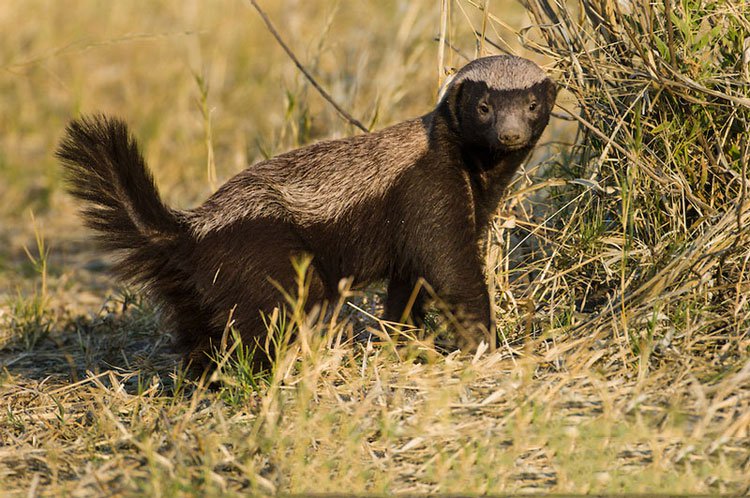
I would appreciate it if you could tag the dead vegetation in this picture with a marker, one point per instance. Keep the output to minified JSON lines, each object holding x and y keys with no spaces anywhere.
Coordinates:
{"x":619,"y":262}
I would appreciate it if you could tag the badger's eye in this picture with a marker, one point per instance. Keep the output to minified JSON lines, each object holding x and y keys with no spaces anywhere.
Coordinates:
{"x":484,"y":109}
{"x":533,"y":105}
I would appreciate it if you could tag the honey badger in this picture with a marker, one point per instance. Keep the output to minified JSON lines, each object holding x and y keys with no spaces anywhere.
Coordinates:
{"x":409,"y":202}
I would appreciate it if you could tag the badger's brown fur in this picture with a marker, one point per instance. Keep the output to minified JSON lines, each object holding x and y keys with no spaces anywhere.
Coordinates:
{"x":408,"y":202}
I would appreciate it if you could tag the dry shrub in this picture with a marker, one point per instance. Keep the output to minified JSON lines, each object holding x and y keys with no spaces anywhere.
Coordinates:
{"x":652,"y":217}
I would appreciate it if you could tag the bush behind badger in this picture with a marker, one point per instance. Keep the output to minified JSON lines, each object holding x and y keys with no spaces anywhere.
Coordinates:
{"x":408,"y":202}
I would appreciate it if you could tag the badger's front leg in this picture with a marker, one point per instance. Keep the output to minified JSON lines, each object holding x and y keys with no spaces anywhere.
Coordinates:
{"x":443,"y":249}
{"x":462,"y":292}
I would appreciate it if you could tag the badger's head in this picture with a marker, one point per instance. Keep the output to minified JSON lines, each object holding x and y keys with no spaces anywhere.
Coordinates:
{"x":499,"y":103}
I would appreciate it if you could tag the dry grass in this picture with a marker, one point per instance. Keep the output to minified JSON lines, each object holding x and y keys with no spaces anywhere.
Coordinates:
{"x":619,"y":264}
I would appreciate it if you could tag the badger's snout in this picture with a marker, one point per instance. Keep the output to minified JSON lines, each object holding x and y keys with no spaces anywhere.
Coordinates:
{"x":510,"y":137}
{"x":512,"y":132}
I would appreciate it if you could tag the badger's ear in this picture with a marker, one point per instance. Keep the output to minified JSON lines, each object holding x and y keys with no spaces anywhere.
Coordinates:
{"x":451,"y":92}
{"x":552,"y":90}
{"x":451,"y":102}
{"x":457,"y":93}
{"x":448,"y":83}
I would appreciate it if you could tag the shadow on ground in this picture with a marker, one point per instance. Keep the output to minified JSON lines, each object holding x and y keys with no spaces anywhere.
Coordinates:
{"x":123,"y":336}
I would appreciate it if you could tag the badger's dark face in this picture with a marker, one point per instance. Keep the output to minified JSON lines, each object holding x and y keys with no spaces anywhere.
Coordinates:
{"x":503,"y":120}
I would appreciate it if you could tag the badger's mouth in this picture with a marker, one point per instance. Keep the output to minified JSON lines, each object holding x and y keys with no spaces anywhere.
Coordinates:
{"x":512,"y":146}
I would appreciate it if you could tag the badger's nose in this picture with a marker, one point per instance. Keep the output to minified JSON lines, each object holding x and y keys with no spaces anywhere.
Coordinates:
{"x":510,"y":137}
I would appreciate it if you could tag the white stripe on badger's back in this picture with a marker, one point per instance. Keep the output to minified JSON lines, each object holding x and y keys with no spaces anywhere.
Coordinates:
{"x":322,"y":182}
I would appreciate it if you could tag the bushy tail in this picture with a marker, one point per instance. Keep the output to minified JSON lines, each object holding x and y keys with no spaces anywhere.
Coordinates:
{"x":104,"y":168}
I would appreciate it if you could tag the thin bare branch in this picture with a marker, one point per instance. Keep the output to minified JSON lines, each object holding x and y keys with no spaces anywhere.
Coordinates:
{"x":351,"y":119}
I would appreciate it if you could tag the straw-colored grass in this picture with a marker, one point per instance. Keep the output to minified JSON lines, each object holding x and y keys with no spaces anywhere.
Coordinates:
{"x":618,"y":261}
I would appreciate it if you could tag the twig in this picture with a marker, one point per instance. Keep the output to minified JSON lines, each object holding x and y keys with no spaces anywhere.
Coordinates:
{"x":455,"y":49}
{"x":441,"y":38}
{"x":494,"y":44}
{"x":304,"y":71}
{"x":670,"y":32}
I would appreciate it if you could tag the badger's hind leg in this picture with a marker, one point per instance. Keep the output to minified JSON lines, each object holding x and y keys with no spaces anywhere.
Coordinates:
{"x":242,"y":273}
{"x":405,"y":299}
